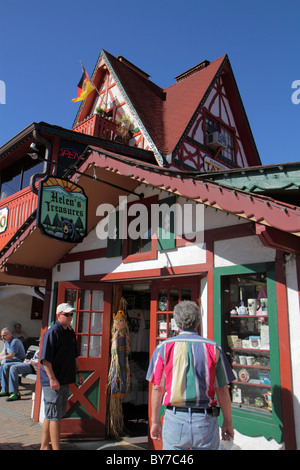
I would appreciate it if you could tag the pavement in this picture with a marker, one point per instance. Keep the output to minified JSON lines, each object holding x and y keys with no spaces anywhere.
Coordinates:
{"x":19,"y":432}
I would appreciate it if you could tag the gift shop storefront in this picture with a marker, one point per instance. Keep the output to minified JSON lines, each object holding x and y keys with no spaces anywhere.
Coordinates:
{"x":243,"y":274}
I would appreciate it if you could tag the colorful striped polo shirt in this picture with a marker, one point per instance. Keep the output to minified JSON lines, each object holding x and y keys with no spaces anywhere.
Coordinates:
{"x":191,"y":367}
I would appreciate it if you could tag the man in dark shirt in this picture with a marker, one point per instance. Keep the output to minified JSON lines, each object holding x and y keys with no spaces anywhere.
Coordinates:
{"x":59,"y":364}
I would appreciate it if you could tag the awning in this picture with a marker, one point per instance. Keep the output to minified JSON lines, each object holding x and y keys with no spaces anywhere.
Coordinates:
{"x":106,"y":176}
{"x":30,"y":256}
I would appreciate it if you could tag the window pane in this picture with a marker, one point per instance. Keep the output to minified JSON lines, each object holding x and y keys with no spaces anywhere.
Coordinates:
{"x":186,"y":293}
{"x":174,"y":330}
{"x":86,"y":300}
{"x":96,"y":322}
{"x":82,"y":345}
{"x":32,"y":171}
{"x":174,"y":297}
{"x":97,"y":300}
{"x":162,"y":325}
{"x":162,"y":300}
{"x":211,"y":126}
{"x":70,"y":297}
{"x":83,"y":322}
{"x":95,"y":346}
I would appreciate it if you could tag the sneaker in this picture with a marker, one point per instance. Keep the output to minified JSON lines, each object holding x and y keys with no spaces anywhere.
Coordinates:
{"x":4,"y":394}
{"x":13,"y":397}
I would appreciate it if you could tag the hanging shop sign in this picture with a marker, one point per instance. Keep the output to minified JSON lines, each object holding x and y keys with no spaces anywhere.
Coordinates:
{"x":62,"y":210}
{"x":3,"y":219}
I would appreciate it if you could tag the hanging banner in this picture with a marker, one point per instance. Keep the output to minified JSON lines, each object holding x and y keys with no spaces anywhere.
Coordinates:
{"x":3,"y":219}
{"x":62,"y":210}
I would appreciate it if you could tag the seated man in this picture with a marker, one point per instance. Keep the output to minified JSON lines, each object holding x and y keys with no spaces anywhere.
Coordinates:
{"x":13,"y":350}
{"x":10,"y":375}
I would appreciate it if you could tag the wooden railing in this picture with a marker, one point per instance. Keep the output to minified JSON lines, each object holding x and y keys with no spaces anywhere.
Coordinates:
{"x":20,"y":206}
{"x":97,"y":126}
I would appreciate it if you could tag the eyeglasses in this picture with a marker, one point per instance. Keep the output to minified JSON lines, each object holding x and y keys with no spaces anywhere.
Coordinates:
{"x":67,"y":315}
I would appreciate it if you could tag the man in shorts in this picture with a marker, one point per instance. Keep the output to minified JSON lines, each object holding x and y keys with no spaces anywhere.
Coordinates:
{"x":59,"y":365}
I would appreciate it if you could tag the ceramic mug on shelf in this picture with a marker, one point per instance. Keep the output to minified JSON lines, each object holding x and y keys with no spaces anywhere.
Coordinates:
{"x":252,"y":306}
{"x":264,"y":306}
{"x":250,"y":360}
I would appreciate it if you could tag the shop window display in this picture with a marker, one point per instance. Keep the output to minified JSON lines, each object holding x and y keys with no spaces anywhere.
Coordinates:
{"x":245,"y":310}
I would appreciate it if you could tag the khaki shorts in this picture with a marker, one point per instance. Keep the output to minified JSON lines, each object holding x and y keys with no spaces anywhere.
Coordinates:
{"x":55,"y":402}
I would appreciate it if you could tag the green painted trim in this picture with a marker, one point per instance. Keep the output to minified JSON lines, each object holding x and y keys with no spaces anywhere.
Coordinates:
{"x":279,"y":177}
{"x":166,"y":240}
{"x":248,"y":422}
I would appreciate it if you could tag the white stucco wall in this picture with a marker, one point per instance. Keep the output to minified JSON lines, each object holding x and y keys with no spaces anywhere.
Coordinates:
{"x":15,"y":307}
{"x":294,"y":330}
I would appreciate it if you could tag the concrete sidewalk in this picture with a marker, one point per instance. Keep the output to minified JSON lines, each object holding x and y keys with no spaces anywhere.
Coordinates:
{"x":19,"y":432}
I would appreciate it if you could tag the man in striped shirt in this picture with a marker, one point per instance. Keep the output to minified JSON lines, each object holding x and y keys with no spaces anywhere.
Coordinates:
{"x":187,"y":371}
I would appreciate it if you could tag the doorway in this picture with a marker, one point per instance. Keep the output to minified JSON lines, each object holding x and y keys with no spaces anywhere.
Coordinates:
{"x":86,"y":415}
{"x":135,"y":404}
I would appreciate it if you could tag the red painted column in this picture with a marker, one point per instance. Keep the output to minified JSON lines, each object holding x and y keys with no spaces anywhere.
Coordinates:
{"x":284,"y":354}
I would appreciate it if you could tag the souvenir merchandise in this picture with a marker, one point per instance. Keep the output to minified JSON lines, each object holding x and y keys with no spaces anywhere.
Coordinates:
{"x":119,"y":374}
{"x":248,"y":343}
{"x":252,"y":306}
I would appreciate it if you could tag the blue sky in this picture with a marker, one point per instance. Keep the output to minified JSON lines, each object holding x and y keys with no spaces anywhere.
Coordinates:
{"x":43,"y":42}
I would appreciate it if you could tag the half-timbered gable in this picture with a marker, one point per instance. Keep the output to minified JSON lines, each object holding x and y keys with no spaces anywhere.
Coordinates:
{"x":128,"y":102}
{"x":218,"y":135}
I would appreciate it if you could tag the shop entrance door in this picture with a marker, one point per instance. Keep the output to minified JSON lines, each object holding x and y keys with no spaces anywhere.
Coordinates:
{"x":86,"y":414}
{"x":165,"y":294}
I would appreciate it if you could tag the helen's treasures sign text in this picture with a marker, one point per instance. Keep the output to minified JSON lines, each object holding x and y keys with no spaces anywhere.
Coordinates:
{"x":62,"y":210}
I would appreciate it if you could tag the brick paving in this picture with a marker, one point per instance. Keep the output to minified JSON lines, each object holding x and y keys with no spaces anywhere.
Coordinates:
{"x":19,"y":432}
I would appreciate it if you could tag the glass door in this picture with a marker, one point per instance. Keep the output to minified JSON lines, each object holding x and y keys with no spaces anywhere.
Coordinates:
{"x":86,"y":415}
{"x":165,"y":294}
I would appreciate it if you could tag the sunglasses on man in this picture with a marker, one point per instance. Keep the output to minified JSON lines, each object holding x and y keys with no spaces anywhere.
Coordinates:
{"x":67,"y":314}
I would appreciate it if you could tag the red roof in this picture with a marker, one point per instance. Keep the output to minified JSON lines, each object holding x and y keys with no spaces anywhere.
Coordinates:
{"x":182,"y":100}
{"x":165,"y":113}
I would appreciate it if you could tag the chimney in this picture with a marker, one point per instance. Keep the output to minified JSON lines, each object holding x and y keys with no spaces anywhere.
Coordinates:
{"x":194,"y":69}
{"x":133,"y":67}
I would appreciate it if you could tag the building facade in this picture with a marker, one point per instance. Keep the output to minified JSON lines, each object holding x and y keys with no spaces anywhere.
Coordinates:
{"x":178,"y":207}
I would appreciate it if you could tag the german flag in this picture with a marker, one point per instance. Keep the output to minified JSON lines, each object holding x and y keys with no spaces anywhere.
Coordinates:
{"x":84,"y":86}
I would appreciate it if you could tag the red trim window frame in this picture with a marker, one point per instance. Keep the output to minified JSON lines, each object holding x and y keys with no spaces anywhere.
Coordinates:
{"x":217,"y":125}
{"x":129,"y":245}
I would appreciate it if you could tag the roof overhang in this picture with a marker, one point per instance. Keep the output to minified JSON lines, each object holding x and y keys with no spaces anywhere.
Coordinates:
{"x":253,"y":207}
{"x":105,"y":176}
{"x":30,"y":256}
